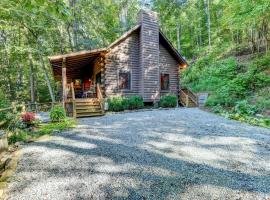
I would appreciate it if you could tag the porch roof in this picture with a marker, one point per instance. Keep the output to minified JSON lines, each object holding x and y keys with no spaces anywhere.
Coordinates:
{"x":74,"y":62}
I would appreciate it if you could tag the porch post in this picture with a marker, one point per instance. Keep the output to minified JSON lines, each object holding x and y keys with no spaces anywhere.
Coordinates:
{"x":64,"y":81}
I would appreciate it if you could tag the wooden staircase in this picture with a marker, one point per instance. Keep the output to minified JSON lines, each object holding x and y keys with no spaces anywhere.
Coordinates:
{"x":88,"y":107}
{"x":187,"y":98}
{"x":83,"y":107}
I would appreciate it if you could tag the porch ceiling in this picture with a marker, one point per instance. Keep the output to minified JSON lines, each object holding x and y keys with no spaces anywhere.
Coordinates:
{"x":75,"y":62}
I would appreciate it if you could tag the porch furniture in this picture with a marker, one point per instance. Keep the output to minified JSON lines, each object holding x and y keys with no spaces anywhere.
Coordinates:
{"x":90,"y":93}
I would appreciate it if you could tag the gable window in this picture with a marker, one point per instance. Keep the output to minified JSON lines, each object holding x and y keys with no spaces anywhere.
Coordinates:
{"x":124,"y":81}
{"x":164,"y":81}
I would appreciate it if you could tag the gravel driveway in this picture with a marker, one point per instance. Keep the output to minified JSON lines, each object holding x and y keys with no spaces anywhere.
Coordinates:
{"x":162,"y":154}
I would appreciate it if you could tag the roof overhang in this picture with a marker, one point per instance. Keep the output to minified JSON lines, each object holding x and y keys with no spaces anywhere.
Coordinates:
{"x":74,"y":62}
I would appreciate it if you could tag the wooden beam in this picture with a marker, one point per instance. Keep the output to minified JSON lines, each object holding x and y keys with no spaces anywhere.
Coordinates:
{"x":64,"y":80}
{"x":59,"y":57}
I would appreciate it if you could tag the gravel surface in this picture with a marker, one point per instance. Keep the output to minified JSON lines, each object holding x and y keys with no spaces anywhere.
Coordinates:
{"x":161,"y":154}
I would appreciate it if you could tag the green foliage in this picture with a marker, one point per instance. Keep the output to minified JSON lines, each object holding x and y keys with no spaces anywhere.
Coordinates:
{"x":24,"y":135}
{"x":168,"y":101}
{"x":118,"y":104}
{"x":13,"y":122}
{"x":18,"y":137}
{"x":4,"y":102}
{"x":49,"y":128}
{"x":244,"y":108}
{"x":256,"y":121}
{"x":57,"y":114}
{"x":135,"y":102}
{"x":226,"y":80}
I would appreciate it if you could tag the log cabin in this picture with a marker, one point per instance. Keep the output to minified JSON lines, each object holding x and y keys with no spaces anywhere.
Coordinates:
{"x":141,"y":62}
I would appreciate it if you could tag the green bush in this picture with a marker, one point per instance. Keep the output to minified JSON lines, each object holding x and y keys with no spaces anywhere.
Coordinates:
{"x":4,"y":103}
{"x":168,"y":101}
{"x":14,"y":122}
{"x":244,"y":108}
{"x":135,"y":102}
{"x":18,"y":137}
{"x":118,"y":104}
{"x":57,"y":114}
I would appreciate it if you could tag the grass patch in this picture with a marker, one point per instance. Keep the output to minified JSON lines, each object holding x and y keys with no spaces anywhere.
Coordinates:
{"x":40,"y":130}
{"x":47,"y":129}
{"x":235,"y":114}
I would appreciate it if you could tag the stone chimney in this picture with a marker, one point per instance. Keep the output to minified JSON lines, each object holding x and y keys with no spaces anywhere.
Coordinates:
{"x":149,"y":56}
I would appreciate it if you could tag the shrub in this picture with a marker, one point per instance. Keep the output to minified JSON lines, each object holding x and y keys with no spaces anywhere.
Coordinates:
{"x":244,"y":108}
{"x":168,"y":101}
{"x":118,"y":103}
{"x":57,"y":114}
{"x":18,"y":137}
{"x":135,"y":102}
{"x":28,"y":118}
{"x":14,"y":121}
{"x":4,"y":103}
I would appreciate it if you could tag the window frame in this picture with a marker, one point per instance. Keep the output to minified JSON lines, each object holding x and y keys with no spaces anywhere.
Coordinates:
{"x":162,"y":74}
{"x":130,"y":79}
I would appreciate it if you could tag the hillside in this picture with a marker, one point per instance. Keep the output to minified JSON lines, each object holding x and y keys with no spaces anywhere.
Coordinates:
{"x":237,"y":84}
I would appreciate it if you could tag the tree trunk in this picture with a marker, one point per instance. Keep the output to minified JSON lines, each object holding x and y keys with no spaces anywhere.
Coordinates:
{"x":178,"y":37}
{"x":31,"y":75}
{"x":46,"y":77}
{"x":207,"y":11}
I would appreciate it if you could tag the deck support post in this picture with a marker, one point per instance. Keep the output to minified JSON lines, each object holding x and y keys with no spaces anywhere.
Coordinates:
{"x":64,"y":81}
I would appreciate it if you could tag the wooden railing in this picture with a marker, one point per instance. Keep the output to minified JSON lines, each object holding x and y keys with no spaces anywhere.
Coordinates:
{"x":69,"y":102}
{"x":100,"y":97}
{"x":188,"y":98}
{"x":73,"y":100}
{"x":40,"y":107}
{"x":13,"y":109}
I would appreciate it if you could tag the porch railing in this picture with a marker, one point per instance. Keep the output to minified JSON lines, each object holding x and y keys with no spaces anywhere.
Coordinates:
{"x":100,"y":97}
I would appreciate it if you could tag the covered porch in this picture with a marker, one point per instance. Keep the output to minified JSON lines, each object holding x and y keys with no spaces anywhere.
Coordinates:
{"x":82,"y":79}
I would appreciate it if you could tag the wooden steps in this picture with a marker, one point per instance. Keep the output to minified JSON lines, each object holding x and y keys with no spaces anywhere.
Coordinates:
{"x":187,"y":98}
{"x":88,"y":107}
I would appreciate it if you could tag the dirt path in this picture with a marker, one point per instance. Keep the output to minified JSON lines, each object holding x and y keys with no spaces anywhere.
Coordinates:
{"x":168,"y":154}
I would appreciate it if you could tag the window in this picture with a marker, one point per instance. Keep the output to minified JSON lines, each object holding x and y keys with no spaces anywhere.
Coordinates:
{"x":164,"y":81}
{"x":124,"y":80}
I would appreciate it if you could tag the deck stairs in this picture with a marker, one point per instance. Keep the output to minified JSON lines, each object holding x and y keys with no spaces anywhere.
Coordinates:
{"x":187,"y":98}
{"x":88,"y":107}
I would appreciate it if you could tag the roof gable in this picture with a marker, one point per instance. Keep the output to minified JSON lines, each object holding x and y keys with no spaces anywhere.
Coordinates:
{"x":162,"y":39}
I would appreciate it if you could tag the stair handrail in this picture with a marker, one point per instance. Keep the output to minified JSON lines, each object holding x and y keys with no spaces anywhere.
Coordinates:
{"x":193,"y":96}
{"x":183,"y":99}
{"x":100,"y":97}
{"x":73,"y":100}
{"x":189,"y":95}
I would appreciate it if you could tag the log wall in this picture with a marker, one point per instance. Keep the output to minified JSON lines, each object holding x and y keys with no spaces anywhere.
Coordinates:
{"x":123,"y":57}
{"x":168,"y":65}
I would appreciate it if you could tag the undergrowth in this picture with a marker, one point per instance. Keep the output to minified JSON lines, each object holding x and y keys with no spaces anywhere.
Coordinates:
{"x":236,"y":90}
{"x":24,"y":135}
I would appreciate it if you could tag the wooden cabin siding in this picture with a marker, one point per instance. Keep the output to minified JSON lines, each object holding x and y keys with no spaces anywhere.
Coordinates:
{"x":123,"y":56}
{"x":149,"y":56}
{"x":96,"y":70}
{"x":168,"y":65}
